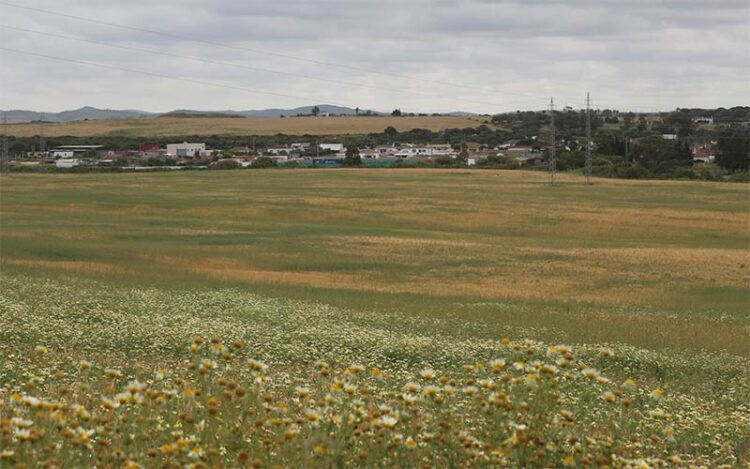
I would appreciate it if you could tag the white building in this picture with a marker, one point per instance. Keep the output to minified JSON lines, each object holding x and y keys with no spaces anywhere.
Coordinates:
{"x":186,"y":149}
{"x":70,"y":151}
{"x":411,"y":150}
{"x":337,"y":147}
{"x":67,"y":162}
{"x":704,"y":120}
{"x":282,"y":150}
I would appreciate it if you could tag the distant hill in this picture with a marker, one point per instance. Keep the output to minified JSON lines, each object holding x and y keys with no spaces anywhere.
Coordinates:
{"x":329,"y":108}
{"x":84,"y":113}
{"x":92,"y":113}
{"x":188,"y":114}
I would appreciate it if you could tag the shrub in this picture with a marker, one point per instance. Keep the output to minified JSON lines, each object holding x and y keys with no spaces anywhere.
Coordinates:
{"x":264,"y":162}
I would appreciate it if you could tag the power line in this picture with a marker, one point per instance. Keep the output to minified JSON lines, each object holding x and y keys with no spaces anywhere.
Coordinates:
{"x":161,"y":75}
{"x":6,"y":159}
{"x":472,"y":87}
{"x":588,"y":139}
{"x":42,"y":141}
{"x":552,"y":143}
{"x":247,"y":67}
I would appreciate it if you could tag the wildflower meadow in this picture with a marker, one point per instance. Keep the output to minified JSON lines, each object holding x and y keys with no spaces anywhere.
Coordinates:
{"x":141,"y":330}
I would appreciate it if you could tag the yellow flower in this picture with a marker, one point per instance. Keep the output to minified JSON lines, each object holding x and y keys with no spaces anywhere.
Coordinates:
{"x":110,"y":404}
{"x":471,"y":390}
{"x":427,"y":374}
{"x":412,"y":387}
{"x":302,"y":392}
{"x":257,"y":365}
{"x":312,"y":416}
{"x":410,"y":443}
{"x":657,"y":413}
{"x":291,"y":432}
{"x":207,"y":365}
{"x":628,"y":384}
{"x":497,"y":365}
{"x":195,"y":453}
{"x":168,"y":448}
{"x":657,"y":394}
{"x":135,"y":386}
{"x":590,"y":373}
{"x":388,"y":422}
{"x":40,"y":349}
{"x":408,"y":398}
{"x":608,"y":396}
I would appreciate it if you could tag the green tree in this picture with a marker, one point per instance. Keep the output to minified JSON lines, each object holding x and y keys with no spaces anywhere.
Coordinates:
{"x":445,"y":161}
{"x":263,"y":162}
{"x":397,"y":112}
{"x":734,"y":151}
{"x":315,"y":111}
{"x":390,"y":134}
{"x":463,"y":154}
{"x":352,"y":157}
{"x":660,"y":155}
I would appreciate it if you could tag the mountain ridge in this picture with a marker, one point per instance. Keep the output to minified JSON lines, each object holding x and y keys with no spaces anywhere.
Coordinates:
{"x":93,"y":113}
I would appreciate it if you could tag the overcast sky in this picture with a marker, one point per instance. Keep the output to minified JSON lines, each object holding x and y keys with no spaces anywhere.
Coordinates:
{"x":418,"y":55}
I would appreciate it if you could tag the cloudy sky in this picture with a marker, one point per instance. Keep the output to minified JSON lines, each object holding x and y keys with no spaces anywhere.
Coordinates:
{"x":417,"y":55}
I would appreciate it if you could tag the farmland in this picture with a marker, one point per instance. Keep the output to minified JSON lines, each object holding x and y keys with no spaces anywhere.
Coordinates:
{"x":204,"y":126}
{"x":357,"y":318}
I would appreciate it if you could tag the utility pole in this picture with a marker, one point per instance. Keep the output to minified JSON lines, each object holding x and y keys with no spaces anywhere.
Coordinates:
{"x":42,"y":142}
{"x":627,"y":142}
{"x":552,"y":143}
{"x":6,"y":160}
{"x":588,"y":139}
{"x":317,"y":148}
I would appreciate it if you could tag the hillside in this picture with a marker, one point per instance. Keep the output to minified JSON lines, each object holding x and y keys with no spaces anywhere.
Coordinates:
{"x":179,"y":126}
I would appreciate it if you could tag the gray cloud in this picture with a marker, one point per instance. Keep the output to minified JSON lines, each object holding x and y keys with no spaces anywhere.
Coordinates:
{"x":500,"y":55}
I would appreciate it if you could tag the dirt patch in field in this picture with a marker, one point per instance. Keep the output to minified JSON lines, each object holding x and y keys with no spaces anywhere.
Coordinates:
{"x":400,"y":241}
{"x":704,"y":266}
{"x":199,"y":232}
{"x":484,"y":285}
{"x":67,"y":265}
{"x":690,"y":219}
{"x":228,"y":269}
{"x":66,"y":235}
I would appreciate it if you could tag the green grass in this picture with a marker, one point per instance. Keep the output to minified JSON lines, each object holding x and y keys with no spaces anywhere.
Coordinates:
{"x":412,"y":241}
{"x":396,"y":269}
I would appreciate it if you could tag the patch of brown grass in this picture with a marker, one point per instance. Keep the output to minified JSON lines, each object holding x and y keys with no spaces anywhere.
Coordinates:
{"x":81,"y":266}
{"x":172,"y":126}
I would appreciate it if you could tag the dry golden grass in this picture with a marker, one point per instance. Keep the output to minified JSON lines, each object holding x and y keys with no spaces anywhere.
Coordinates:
{"x":173,"y":126}
{"x":80,"y":266}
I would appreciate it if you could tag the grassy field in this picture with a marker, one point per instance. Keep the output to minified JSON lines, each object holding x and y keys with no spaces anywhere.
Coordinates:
{"x":205,"y":126}
{"x":389,"y":277}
